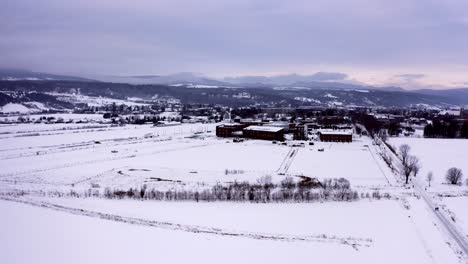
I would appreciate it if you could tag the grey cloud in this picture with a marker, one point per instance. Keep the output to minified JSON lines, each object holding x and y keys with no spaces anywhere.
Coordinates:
{"x":329,"y":76}
{"x":410,"y":76}
{"x":408,"y":80}
{"x":289,"y":79}
{"x":214,"y":36}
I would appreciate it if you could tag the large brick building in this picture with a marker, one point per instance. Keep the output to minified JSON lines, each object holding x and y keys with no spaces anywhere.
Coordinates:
{"x":336,"y":136}
{"x":264,"y":132}
{"x":227,"y":130}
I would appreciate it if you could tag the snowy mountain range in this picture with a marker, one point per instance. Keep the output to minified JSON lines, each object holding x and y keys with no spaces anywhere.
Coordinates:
{"x":39,"y":91}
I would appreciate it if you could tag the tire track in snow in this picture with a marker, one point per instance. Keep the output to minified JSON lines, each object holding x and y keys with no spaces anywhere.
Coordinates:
{"x":288,"y":160}
{"x":88,"y":162}
{"x":86,"y":145}
{"x":355,"y":243}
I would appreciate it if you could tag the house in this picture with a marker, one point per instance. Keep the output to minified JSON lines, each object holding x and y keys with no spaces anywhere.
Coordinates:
{"x":336,"y":135}
{"x":299,"y":132}
{"x":264,"y":132}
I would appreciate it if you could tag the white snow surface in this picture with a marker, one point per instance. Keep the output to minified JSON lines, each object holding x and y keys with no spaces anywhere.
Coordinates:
{"x":437,"y":155}
{"x":58,"y":237}
{"x":456,"y":208}
{"x":14,"y":108}
{"x":39,"y":158}
{"x":264,"y":128}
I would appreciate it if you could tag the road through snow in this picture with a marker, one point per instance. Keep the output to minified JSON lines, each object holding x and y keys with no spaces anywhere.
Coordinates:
{"x":457,"y":235}
{"x":449,"y":227}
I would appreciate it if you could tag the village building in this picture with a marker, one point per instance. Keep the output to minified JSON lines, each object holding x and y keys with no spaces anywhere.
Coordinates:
{"x":228,"y":129}
{"x":336,"y":135}
{"x":264,"y":132}
{"x":299,"y":132}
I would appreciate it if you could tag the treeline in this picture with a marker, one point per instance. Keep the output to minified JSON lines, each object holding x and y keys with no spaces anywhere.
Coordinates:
{"x":372,"y":125}
{"x":260,"y":192}
{"x":263,"y":191}
{"x":446,"y":129}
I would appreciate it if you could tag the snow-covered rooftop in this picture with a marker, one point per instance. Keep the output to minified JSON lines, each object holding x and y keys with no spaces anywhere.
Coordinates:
{"x":230,"y":125}
{"x":264,"y":128}
{"x":335,"y":132}
{"x":450,"y":112}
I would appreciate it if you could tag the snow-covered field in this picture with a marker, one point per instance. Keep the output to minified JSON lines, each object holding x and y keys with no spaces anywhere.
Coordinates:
{"x":356,"y":162}
{"x":56,"y":158}
{"x":61,"y":156}
{"x":437,"y":155}
{"x":37,"y":158}
{"x":360,"y":232}
{"x":14,"y":108}
{"x":65,"y":116}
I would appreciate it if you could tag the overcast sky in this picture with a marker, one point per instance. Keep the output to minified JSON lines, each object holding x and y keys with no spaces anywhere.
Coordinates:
{"x":400,"y":42}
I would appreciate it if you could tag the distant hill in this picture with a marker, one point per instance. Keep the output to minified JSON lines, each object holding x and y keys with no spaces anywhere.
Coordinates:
{"x":19,"y":74}
{"x":319,"y":80}
{"x":184,"y":78}
{"x":326,"y":89}
{"x":50,"y":93}
{"x":458,"y":96}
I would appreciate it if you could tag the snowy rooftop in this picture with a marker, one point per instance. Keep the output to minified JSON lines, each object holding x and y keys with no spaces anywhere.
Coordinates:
{"x":450,"y":112}
{"x":230,"y":125}
{"x":335,"y":132}
{"x":264,"y":128}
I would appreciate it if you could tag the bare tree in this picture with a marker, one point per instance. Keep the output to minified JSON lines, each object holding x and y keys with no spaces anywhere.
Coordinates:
{"x":267,"y":185}
{"x":343,"y":188}
{"x":413,"y":161}
{"x":404,"y":153}
{"x":383,"y":135}
{"x":429,"y":178}
{"x":454,"y":176}
{"x":410,"y":167}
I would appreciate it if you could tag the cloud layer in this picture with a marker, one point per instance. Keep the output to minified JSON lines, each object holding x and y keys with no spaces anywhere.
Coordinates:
{"x":370,"y":39}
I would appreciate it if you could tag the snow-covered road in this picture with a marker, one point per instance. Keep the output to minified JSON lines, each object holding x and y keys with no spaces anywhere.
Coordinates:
{"x":447,"y":224}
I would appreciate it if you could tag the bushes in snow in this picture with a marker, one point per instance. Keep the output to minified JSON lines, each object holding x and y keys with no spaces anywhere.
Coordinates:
{"x":264,"y":190}
{"x":227,"y":172}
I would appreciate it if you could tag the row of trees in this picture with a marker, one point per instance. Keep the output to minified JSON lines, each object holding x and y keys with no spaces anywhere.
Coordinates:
{"x":410,"y":166}
{"x":446,"y":129}
{"x":262,"y":191}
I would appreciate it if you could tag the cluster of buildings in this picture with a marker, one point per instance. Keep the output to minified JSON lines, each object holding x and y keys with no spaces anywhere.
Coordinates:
{"x":246,"y":130}
{"x":276,"y":131}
